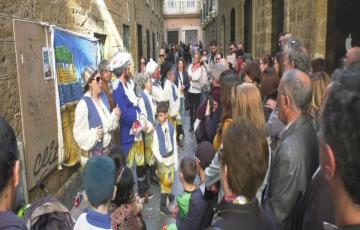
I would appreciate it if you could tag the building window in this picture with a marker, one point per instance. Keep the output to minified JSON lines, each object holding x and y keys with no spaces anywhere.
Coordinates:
{"x":190,"y":3}
{"x":126,"y":37}
{"x":232,"y":25}
{"x":101,"y":39}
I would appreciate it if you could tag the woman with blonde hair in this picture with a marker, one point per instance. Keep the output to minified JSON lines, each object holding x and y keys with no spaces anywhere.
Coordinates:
{"x":246,"y":103}
{"x":319,"y":81}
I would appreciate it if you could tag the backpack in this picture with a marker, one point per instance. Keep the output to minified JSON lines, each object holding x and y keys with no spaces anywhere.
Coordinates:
{"x":48,"y":213}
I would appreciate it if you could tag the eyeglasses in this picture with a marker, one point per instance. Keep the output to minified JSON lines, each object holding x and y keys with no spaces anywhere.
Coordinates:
{"x":217,"y":59}
{"x":98,"y":79}
{"x":143,"y":63}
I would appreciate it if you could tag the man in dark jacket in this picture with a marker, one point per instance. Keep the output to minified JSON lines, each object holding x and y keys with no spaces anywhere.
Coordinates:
{"x":296,"y":158}
{"x":243,"y":168}
{"x":340,"y":146}
{"x":9,"y":177}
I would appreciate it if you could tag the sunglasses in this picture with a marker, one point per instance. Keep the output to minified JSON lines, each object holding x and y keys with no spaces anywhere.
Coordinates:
{"x":161,"y":55}
{"x":217,"y":59}
{"x":98,"y":79}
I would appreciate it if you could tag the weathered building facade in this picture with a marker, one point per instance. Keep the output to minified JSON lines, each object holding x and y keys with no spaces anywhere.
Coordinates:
{"x":135,"y":26}
{"x":322,"y":25}
{"x":182,"y":19}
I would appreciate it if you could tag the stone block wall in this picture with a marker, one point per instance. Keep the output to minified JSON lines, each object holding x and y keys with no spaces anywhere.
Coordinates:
{"x":83,"y":16}
{"x":306,"y":19}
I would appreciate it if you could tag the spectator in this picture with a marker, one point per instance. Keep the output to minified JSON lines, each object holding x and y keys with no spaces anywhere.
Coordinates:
{"x":163,"y":59}
{"x":296,"y":158}
{"x":191,"y":204}
{"x":296,"y":56}
{"x":9,"y":177}
{"x":213,"y":53}
{"x":246,"y":103}
{"x":204,"y":155}
{"x":226,"y":118}
{"x":232,"y":62}
{"x":142,"y":65}
{"x":283,"y":38}
{"x":265,"y":62}
{"x":137,"y":79}
{"x":315,"y":206}
{"x":209,"y":112}
{"x":99,"y":181}
{"x":94,"y":124}
{"x":279,"y":64}
{"x":319,"y":81}
{"x":252,"y":74}
{"x":318,"y":65}
{"x":218,"y":57}
{"x":183,"y":84}
{"x":197,"y":74}
{"x":339,"y":148}
{"x":241,"y":46}
{"x":232,"y":48}
{"x":269,"y":83}
{"x":243,"y":168}
{"x":352,"y":57}
{"x":126,"y":213}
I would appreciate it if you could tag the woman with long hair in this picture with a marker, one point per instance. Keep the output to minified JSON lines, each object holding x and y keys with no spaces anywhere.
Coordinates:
{"x":197,"y":75}
{"x":183,"y":84}
{"x":319,"y":81}
{"x":279,"y":64}
{"x":246,"y":103}
{"x":269,"y":83}
{"x":227,"y":83}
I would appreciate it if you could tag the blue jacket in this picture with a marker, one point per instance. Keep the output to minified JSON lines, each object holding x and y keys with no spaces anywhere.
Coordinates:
{"x":186,"y":81}
{"x":127,"y":118}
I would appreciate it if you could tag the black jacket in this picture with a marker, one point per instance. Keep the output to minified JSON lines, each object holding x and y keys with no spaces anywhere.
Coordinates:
{"x":186,"y":81}
{"x":315,"y":206}
{"x":248,"y":216}
{"x":292,"y":166}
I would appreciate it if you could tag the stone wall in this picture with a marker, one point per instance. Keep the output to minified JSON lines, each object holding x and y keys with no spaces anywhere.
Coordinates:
{"x":83,"y":16}
{"x":307,"y":20}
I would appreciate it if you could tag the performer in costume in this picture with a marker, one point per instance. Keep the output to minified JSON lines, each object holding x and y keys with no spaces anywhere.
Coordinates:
{"x":148,"y":106}
{"x":165,"y":151}
{"x":94,"y":123}
{"x":132,"y":121}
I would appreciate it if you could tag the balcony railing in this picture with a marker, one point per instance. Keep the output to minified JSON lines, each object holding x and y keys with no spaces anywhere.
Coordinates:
{"x":182,"y":7}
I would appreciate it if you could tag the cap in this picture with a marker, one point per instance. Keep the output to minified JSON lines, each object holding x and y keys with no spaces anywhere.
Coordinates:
{"x":151,"y":67}
{"x":120,"y":60}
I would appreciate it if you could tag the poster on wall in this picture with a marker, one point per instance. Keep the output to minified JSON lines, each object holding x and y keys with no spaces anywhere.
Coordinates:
{"x":46,"y":63}
{"x":73,"y":52}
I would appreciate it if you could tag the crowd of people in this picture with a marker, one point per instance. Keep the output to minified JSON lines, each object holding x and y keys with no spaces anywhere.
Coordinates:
{"x":277,"y":140}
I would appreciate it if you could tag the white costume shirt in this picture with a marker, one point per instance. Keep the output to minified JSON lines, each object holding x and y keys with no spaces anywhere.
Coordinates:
{"x":85,"y":136}
{"x":153,"y":109}
{"x":171,"y":160}
{"x":174,"y":105}
{"x":157,"y":92}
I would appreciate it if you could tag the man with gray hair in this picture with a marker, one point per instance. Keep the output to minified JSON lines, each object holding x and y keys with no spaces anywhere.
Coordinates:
{"x":296,"y":158}
{"x":296,"y":56}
